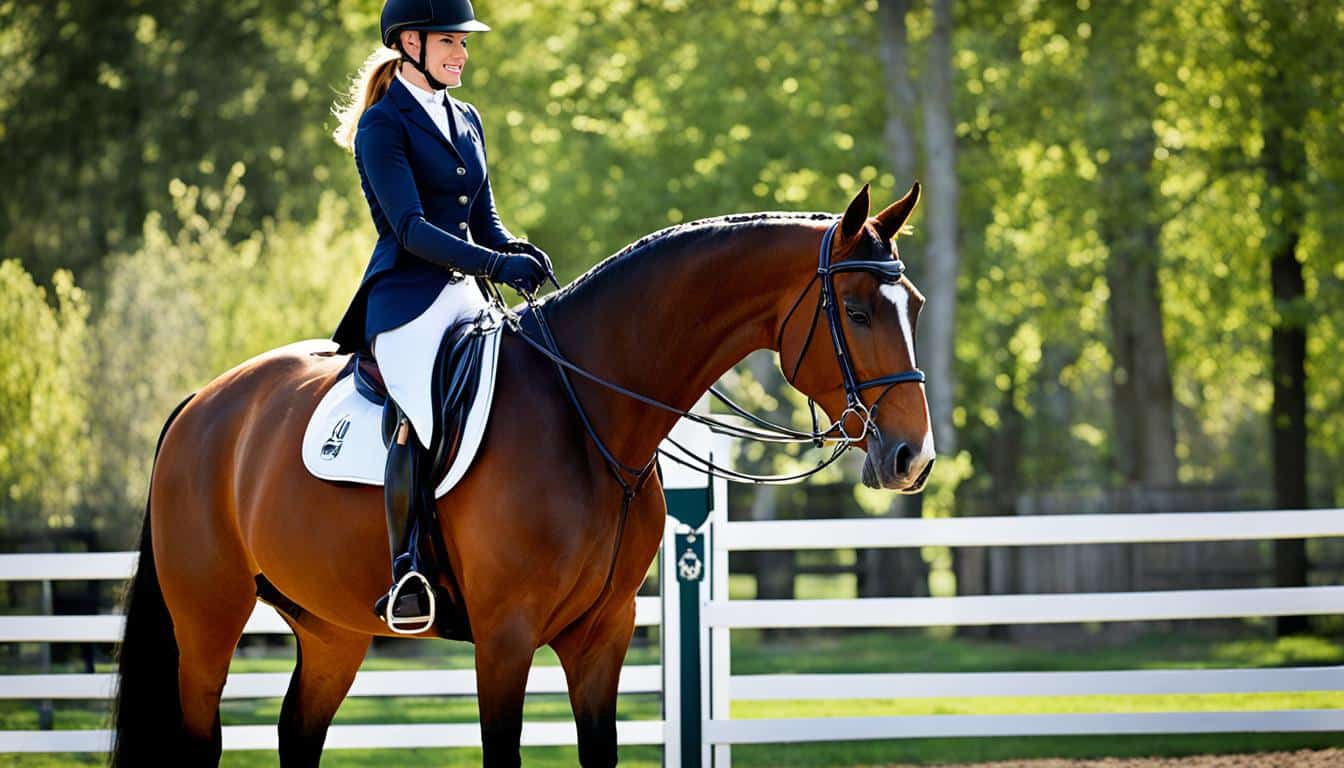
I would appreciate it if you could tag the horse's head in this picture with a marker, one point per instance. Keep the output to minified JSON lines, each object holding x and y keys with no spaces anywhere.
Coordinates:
{"x":876,"y":309}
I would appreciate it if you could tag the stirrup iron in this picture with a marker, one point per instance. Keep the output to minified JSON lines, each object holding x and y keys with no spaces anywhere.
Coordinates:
{"x":409,"y":625}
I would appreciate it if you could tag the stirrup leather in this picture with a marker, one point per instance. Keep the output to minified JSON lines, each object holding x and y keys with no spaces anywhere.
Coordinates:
{"x":409,"y":625}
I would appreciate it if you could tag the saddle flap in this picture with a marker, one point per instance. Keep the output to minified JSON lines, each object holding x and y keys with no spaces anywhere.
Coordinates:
{"x":344,"y":438}
{"x":454,"y":385}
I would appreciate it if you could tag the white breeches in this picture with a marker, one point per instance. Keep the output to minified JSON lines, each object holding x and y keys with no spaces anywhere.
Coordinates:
{"x":405,"y":354}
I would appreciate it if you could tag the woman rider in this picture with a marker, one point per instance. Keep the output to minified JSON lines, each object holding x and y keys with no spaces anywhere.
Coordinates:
{"x":421,"y":161}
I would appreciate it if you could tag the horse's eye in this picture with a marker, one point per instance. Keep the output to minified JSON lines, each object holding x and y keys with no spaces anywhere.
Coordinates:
{"x":857,"y":316}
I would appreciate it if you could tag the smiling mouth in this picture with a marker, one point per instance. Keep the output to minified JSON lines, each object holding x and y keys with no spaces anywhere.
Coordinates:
{"x":453,"y":69}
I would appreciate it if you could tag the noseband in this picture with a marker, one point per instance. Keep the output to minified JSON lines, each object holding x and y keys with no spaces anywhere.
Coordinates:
{"x":887,"y":272}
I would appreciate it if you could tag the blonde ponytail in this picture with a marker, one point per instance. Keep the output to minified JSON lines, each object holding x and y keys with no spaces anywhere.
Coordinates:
{"x":366,"y":88}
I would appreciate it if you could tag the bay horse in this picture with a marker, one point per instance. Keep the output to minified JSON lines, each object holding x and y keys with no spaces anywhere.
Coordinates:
{"x":532,"y":528}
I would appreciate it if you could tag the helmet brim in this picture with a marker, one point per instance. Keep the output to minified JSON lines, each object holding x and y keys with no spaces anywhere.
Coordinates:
{"x":470,"y":25}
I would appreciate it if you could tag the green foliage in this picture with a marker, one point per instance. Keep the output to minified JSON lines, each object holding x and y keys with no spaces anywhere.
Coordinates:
{"x":191,"y":303}
{"x":44,"y":369}
{"x":123,"y":153}
{"x":104,"y":104}
{"x":1040,"y":109}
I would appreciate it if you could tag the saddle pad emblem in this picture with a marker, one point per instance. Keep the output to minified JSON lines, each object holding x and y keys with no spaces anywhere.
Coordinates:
{"x":332,"y":447}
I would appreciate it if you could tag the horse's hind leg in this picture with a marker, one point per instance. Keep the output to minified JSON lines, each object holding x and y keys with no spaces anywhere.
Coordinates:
{"x":208,"y":619}
{"x":328,"y":658}
{"x":592,"y":651}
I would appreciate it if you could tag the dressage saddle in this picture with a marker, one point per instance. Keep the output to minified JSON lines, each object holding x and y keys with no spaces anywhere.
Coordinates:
{"x":414,"y":536}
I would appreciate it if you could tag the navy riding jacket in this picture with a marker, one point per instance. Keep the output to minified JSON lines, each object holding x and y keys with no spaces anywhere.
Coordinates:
{"x":425,"y":193}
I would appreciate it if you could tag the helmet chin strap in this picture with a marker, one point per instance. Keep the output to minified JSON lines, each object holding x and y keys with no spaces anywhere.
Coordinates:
{"x":434,"y":83}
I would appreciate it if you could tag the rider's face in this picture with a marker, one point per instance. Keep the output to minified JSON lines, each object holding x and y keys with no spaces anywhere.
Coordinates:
{"x":445,"y":54}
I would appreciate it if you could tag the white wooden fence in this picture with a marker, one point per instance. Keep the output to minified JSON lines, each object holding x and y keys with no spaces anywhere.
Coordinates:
{"x":722,"y":615}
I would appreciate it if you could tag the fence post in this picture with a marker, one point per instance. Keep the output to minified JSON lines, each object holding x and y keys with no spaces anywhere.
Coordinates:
{"x":45,"y":714}
{"x":718,"y":669}
{"x":684,"y":564}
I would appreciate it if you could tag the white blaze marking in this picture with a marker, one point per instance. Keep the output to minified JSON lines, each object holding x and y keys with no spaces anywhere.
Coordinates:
{"x":926,"y":449}
{"x":900,"y":298}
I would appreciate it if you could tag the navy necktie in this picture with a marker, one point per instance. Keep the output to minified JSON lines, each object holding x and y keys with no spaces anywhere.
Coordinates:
{"x":453,"y":129}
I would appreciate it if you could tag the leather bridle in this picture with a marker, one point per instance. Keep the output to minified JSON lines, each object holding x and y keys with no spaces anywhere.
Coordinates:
{"x":886,"y":271}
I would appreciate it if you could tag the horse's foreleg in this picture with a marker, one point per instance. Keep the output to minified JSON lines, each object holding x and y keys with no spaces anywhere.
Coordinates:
{"x":503,"y":658}
{"x":592,"y":652}
{"x":325,"y":668}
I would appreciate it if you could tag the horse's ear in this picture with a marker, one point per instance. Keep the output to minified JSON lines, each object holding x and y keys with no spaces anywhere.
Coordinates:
{"x":894,"y":216}
{"x":855,"y":215}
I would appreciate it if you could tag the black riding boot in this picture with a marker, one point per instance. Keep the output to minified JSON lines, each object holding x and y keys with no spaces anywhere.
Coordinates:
{"x":413,"y":609}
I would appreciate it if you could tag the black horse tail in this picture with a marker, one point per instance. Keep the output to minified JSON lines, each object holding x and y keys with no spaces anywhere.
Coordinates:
{"x":147,"y":712}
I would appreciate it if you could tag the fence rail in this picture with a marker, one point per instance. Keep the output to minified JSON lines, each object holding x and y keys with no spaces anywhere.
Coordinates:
{"x":1026,"y":609}
{"x":419,"y":735}
{"x":1108,"y":683}
{"x":888,"y":533}
{"x":647,"y":678}
{"x":264,"y":621}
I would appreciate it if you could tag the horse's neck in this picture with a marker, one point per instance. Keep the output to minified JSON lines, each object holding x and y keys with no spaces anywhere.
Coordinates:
{"x":670,"y":323}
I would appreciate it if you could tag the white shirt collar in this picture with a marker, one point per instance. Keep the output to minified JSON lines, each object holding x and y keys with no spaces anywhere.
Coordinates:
{"x":428,"y":98}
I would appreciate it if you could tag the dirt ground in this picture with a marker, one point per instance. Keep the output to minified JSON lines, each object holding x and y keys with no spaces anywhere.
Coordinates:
{"x":1305,"y":758}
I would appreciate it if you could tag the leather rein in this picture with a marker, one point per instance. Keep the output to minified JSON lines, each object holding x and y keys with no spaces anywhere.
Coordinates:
{"x":887,"y":270}
{"x":765,"y":431}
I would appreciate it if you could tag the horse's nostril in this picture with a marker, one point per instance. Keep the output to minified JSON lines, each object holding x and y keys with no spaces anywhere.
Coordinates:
{"x":903,"y":458}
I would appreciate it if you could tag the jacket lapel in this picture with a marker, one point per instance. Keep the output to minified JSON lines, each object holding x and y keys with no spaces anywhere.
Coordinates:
{"x":416,"y":113}
{"x":467,"y":140}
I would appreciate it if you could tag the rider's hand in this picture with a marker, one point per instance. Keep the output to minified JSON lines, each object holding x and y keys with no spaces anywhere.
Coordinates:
{"x":523,"y":246}
{"x":520,"y":270}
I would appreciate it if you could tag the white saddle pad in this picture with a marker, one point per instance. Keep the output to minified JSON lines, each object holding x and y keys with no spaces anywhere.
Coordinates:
{"x":344,"y":439}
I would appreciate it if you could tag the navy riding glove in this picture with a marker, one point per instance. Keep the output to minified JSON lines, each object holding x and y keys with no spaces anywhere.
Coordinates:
{"x":520,"y":270}
{"x":522,"y":246}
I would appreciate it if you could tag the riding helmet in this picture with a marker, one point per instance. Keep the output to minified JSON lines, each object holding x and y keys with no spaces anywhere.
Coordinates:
{"x":428,"y":16}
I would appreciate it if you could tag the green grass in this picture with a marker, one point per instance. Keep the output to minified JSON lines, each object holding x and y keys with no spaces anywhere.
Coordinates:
{"x":811,"y":651}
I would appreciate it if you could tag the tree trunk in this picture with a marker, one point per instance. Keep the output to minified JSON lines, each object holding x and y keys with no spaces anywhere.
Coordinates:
{"x":901,"y":98}
{"x":1142,"y":403}
{"x":774,"y":569}
{"x":940,"y":285}
{"x":1284,"y":161}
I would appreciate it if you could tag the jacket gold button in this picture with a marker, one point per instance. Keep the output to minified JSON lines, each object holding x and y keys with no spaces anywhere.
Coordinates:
{"x":463,"y":199}
{"x":462,"y":225}
{"x":461,"y":171}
